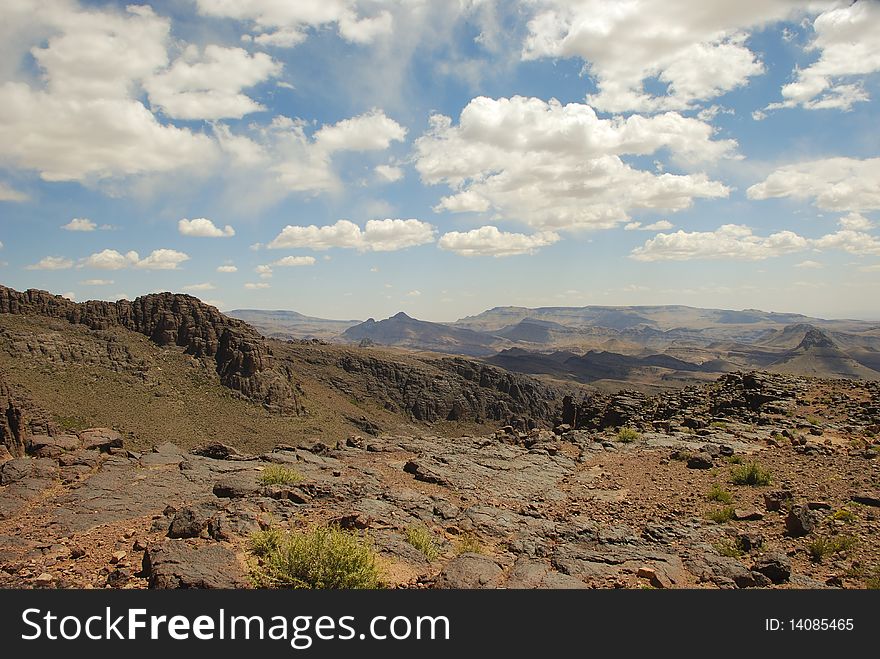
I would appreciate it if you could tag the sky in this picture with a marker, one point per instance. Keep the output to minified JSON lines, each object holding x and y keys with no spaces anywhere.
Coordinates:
{"x":355,"y":158}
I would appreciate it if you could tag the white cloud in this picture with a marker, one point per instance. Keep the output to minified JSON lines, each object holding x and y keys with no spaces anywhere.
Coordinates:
{"x":162,"y":259}
{"x":80,"y":224}
{"x":389,"y":173}
{"x":70,"y":295}
{"x":206,"y":286}
{"x":414,"y":293}
{"x":377,"y":235}
{"x":489,"y":241}
{"x":660,"y":225}
{"x":870,"y":268}
{"x":835,"y":184}
{"x":847,"y":39}
{"x":285,"y":24}
{"x":51,"y":263}
{"x":209,"y":85}
{"x":97,"y":282}
{"x":558,"y":166}
{"x":8,"y":193}
{"x":812,"y":265}
{"x":251,"y":286}
{"x":87,"y":99}
{"x":203,"y":228}
{"x":697,"y":49}
{"x":856,"y":222}
{"x":110,"y":259}
{"x":372,"y":131}
{"x":265,"y":271}
{"x":294,"y":261}
{"x":738,"y":242}
{"x":227,"y":268}
{"x":730,"y":241}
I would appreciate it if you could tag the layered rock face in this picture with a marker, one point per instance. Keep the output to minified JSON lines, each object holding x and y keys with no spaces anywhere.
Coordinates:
{"x":242,"y":359}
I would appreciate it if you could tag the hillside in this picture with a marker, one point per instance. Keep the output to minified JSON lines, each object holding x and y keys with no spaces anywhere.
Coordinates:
{"x":290,"y":324}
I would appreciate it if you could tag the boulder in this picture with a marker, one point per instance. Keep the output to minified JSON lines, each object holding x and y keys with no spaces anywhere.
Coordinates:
{"x":775,"y":566}
{"x":800,"y":521}
{"x":182,"y":564}
{"x":100,"y":439}
{"x":470,"y":571}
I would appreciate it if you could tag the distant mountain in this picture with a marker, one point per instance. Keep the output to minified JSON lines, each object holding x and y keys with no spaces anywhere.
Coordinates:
{"x":290,"y":324}
{"x":818,"y":355}
{"x":404,"y":331}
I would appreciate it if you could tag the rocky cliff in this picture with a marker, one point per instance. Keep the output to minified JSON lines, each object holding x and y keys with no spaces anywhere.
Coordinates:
{"x":243,"y":361}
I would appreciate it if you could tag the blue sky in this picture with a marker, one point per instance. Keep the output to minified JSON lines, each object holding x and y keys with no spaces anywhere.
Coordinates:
{"x":349,"y":158}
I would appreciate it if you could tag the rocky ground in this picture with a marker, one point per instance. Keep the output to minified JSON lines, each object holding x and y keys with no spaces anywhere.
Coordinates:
{"x":585,"y":505}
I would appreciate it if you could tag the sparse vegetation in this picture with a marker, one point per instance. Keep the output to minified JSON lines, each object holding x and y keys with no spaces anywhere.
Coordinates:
{"x":813,"y":421}
{"x":718,"y":424}
{"x":719,"y":494}
{"x":728,"y":548}
{"x":280,"y":475}
{"x":628,"y":435}
{"x":422,"y":539}
{"x":844,"y":515}
{"x":826,"y":546}
{"x":721,"y":515}
{"x":751,"y":474}
{"x":468,"y":543}
{"x":319,"y":557}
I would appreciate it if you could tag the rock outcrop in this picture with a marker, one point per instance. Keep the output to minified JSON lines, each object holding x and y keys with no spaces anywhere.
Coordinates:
{"x":242,"y":360}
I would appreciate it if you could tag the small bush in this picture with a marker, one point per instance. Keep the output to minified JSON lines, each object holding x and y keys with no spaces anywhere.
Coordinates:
{"x":735,"y":460}
{"x":721,"y":515}
{"x":728,"y":548}
{"x":263,"y":543}
{"x":627,"y":435}
{"x":423,"y":540}
{"x":279,"y":475}
{"x":468,"y":543}
{"x":320,"y":557}
{"x":813,"y":421}
{"x":721,"y":425}
{"x":844,"y":515}
{"x":821,"y":547}
{"x":719,"y":494}
{"x":751,"y":474}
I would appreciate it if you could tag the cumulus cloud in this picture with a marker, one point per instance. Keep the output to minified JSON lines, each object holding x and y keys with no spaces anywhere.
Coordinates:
{"x":265,"y":271}
{"x":414,"y":293}
{"x":696,"y":50}
{"x":206,"y":286}
{"x":389,"y":173}
{"x":80,"y":224}
{"x":227,"y":268}
{"x":51,"y":263}
{"x":376,"y":236}
{"x":847,"y":39}
{"x":91,"y":64}
{"x":253,"y":286}
{"x":208,"y":85}
{"x":110,"y":259}
{"x":738,"y":242}
{"x":285,"y":24}
{"x":558,"y":166}
{"x":660,"y":225}
{"x":490,"y":241}
{"x":203,"y":228}
{"x":8,"y":193}
{"x":856,"y":222}
{"x":835,"y":184}
{"x":97,"y":282}
{"x":372,"y":131}
{"x":294,"y":261}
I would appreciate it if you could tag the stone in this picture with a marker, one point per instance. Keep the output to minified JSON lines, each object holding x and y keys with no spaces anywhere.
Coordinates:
{"x":657,"y":578}
{"x":470,"y":571}
{"x":800,"y":521}
{"x":423,"y":473}
{"x":700,"y":460}
{"x":775,"y":566}
{"x":182,"y":564}
{"x":237,"y":488}
{"x":750,"y":514}
{"x":867,"y":498}
{"x":778,"y":499}
{"x":190,"y":521}
{"x":100,"y":439}
{"x":217,"y":451}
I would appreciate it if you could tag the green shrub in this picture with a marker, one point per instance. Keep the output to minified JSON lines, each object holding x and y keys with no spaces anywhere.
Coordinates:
{"x":423,"y":540}
{"x":751,"y":474}
{"x":728,"y":548}
{"x":719,"y":494}
{"x":279,"y":475}
{"x":735,"y":460}
{"x":319,"y":557}
{"x":813,"y":421}
{"x":468,"y":543}
{"x":821,"y":547}
{"x":844,"y":515}
{"x":721,"y":515}
{"x":627,"y":435}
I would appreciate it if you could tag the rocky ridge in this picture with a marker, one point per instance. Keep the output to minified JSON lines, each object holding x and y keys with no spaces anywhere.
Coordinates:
{"x":241,"y":358}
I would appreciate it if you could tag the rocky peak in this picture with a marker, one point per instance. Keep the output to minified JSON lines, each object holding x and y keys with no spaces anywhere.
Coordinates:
{"x":243,"y":361}
{"x":815,"y":338}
